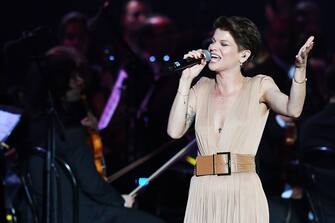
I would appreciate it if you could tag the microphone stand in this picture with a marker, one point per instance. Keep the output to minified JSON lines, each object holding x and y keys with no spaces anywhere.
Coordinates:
{"x":171,"y":161}
{"x":50,"y":201}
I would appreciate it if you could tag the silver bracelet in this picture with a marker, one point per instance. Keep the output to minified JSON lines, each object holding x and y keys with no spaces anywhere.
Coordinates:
{"x":302,"y":82}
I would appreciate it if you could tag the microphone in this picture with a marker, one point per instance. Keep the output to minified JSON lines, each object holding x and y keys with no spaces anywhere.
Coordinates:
{"x":189,"y":62}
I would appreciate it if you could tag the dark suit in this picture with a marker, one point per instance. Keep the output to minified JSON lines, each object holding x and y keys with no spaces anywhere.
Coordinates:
{"x":98,"y":201}
{"x":319,"y":131}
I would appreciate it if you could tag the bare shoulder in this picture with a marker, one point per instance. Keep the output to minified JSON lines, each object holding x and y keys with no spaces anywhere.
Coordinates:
{"x":260,"y":77}
{"x":265,"y":84}
{"x":263,"y":81}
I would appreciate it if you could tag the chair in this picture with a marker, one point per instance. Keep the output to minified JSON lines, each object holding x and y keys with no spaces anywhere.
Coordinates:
{"x":61,"y":165}
{"x":319,"y":165}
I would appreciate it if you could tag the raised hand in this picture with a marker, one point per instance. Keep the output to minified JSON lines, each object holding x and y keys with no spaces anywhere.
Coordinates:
{"x":301,"y":57}
{"x":195,"y":70}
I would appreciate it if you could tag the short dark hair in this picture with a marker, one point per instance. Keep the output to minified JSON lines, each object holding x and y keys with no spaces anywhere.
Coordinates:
{"x":243,"y":30}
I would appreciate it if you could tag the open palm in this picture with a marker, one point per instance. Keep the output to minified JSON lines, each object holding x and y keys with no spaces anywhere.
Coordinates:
{"x":301,"y":57}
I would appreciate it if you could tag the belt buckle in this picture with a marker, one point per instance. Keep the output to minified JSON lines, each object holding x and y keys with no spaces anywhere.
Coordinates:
{"x":228,"y":163}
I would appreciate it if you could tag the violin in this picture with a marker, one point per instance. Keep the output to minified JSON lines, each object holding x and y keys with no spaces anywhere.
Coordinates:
{"x":97,"y":148}
{"x":94,"y":139}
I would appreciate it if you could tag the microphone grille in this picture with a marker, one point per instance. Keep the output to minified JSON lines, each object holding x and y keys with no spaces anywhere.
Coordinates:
{"x":207,"y":55}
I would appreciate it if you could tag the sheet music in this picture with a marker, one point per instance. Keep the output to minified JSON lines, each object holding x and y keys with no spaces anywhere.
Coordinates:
{"x":8,"y":121}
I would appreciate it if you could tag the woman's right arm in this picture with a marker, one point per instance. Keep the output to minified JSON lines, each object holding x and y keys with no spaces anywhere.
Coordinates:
{"x":183,"y":109}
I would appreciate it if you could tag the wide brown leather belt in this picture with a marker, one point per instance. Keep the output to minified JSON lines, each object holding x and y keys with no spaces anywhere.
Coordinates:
{"x":224,"y":163}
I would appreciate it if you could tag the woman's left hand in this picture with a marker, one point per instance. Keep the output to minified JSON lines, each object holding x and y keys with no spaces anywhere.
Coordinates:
{"x":301,"y":57}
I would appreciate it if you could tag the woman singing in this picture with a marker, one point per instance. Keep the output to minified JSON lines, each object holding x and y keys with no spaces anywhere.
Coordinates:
{"x":230,"y":112}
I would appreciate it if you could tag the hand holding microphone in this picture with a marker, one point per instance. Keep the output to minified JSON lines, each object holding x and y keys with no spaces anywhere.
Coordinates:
{"x":192,"y":63}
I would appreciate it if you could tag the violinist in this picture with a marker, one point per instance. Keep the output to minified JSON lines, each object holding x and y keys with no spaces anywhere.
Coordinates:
{"x":98,"y":201}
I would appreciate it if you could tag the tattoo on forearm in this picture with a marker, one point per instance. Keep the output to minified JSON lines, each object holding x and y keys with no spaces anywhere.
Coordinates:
{"x":189,"y":116}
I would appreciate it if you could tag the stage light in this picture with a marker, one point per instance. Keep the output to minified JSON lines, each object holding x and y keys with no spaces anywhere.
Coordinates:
{"x":288,"y":192}
{"x":111,"y":58}
{"x":311,"y":216}
{"x":142,"y":181}
{"x":9,"y":218}
{"x":291,"y":71}
{"x":280,"y":121}
{"x":166,"y":58}
{"x":190,"y":160}
{"x":152,"y":59}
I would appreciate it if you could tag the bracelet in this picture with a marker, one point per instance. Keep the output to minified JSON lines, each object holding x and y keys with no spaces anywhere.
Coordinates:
{"x":302,"y":82}
{"x":184,"y":95}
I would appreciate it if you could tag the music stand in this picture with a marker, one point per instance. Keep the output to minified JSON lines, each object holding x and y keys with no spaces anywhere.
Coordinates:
{"x":9,"y":118}
{"x":31,"y":47}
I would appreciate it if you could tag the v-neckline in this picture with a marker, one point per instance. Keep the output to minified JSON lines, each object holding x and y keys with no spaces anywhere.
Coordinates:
{"x":229,"y":112}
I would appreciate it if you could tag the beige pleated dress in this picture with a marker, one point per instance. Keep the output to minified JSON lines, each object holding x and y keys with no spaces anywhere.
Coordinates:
{"x":238,"y":198}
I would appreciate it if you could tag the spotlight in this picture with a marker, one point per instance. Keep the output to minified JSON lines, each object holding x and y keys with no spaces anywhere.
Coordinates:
{"x":142,"y":181}
{"x":152,"y":59}
{"x":166,"y":58}
{"x":111,"y":58}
